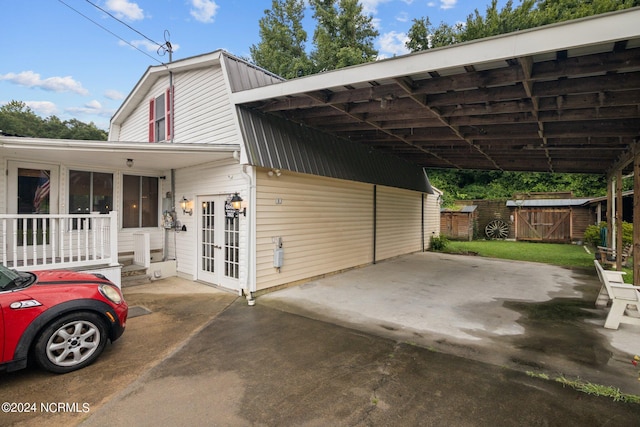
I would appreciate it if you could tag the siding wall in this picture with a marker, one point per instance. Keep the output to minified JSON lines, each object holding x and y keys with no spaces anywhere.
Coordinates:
{"x":220,"y":178}
{"x":432,"y":218}
{"x":326,"y":225}
{"x":203,"y":112}
{"x":399,"y":224}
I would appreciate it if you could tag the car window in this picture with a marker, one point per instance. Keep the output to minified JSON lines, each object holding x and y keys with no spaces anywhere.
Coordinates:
{"x":7,"y":277}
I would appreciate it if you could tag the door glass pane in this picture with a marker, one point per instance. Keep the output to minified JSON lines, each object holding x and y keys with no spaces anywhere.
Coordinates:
{"x":149,"y":201}
{"x":33,"y":198}
{"x":33,"y":191}
{"x":130,"y":201}
{"x":102,"y":199}
{"x":231,"y":247}
{"x":208,"y":236}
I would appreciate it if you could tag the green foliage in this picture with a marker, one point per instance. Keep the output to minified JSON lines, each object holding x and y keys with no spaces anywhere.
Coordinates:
{"x":16,"y":118}
{"x":474,"y":185}
{"x":593,"y":232}
{"x":343,"y":35}
{"x":496,"y":21}
{"x":282,"y":40}
{"x":438,"y":243}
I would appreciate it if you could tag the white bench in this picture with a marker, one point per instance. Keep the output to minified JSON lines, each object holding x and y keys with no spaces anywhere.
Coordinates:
{"x":624,"y":298}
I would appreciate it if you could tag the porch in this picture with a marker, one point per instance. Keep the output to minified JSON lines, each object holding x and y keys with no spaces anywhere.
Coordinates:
{"x":87,"y":242}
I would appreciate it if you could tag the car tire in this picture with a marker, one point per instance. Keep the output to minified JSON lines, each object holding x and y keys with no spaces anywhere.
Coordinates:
{"x":71,"y":342}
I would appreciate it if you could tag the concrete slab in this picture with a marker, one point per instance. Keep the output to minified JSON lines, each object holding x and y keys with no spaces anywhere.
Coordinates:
{"x":528,"y":316}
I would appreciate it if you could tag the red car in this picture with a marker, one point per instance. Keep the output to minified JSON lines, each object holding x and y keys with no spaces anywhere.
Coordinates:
{"x":60,"y":319}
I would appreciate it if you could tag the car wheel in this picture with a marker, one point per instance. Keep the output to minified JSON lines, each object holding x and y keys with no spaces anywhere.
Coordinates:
{"x":71,"y":342}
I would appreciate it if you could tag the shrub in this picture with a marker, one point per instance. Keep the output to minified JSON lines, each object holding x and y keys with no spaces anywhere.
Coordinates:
{"x":438,"y":243}
{"x":592,"y":233}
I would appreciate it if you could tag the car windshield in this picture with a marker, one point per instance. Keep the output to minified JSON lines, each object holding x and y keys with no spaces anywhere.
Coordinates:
{"x":9,"y":279}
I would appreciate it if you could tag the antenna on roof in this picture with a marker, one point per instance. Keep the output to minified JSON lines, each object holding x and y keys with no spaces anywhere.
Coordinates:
{"x":166,"y":47}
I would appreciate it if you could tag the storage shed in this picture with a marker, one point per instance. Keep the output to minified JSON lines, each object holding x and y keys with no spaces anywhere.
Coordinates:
{"x":459,"y":223}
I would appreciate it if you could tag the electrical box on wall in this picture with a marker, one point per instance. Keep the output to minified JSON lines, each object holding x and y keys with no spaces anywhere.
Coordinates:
{"x":278,"y":257}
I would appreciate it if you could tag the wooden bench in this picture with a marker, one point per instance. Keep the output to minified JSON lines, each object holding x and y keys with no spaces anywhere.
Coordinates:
{"x":624,"y":298}
{"x":608,"y":255}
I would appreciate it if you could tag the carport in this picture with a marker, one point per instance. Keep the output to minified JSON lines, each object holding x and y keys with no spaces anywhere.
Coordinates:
{"x":559,"y":98}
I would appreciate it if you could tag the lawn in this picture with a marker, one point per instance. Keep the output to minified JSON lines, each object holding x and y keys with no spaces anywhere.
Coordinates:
{"x":548,"y":253}
{"x":564,"y":255}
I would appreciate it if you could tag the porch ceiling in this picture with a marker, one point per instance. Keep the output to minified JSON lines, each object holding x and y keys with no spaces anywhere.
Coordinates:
{"x":561,"y":98}
{"x":158,"y":157}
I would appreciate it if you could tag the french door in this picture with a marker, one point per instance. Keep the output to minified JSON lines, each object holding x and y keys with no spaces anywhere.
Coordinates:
{"x":218,"y":242}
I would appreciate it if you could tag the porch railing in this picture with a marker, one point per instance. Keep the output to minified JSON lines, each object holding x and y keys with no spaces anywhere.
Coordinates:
{"x":57,"y":241}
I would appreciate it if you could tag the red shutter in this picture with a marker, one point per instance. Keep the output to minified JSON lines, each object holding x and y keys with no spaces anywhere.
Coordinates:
{"x":168,"y":96}
{"x":152,"y":120}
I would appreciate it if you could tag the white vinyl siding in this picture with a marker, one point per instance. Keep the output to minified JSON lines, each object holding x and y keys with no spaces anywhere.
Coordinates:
{"x":326,"y":225}
{"x":431,"y":218}
{"x":214,"y":179}
{"x":202,"y":110}
{"x":398,"y":220}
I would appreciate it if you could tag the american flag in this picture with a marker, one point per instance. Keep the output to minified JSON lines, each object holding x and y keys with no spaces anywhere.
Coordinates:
{"x":42,"y":191}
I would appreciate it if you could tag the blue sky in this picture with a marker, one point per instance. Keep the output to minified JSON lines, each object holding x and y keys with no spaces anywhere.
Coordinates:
{"x":62,"y":63}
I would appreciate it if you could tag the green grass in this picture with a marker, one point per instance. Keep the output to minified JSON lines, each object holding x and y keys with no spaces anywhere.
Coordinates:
{"x":564,"y":255}
{"x":549,"y":253}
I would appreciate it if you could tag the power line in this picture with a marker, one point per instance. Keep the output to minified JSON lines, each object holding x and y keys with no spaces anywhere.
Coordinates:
{"x":114,"y":34}
{"x":123,"y":23}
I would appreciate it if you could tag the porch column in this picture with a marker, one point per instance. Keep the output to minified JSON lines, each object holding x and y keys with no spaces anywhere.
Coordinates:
{"x":636,"y":218}
{"x":618,"y":219}
{"x":610,"y":211}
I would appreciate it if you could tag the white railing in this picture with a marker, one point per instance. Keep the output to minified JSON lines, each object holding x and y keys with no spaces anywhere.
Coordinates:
{"x":57,"y":241}
{"x":142,"y":249}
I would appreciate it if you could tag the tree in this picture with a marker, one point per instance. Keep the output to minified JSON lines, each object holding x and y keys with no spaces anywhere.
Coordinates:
{"x":343,"y":35}
{"x":16,"y":118}
{"x":282,"y":45}
{"x":423,"y":35}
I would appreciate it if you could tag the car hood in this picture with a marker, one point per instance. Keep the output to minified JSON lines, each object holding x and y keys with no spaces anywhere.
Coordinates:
{"x":64,"y":277}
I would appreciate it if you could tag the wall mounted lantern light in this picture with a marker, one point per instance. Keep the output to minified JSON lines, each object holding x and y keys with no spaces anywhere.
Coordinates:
{"x":184,"y":204}
{"x":236,"y":203}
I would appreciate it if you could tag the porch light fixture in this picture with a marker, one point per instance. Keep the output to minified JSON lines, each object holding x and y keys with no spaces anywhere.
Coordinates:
{"x":236,"y":203}
{"x":129,"y":163}
{"x":184,"y":204}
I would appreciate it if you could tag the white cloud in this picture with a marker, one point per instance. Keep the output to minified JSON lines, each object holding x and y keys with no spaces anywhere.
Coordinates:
{"x":43,"y":108}
{"x":402,"y":17}
{"x":113,"y":94}
{"x":204,"y":10}
{"x":93,"y":107}
{"x":448,"y":4}
{"x":124,"y":9}
{"x":53,"y":84}
{"x":393,"y":43}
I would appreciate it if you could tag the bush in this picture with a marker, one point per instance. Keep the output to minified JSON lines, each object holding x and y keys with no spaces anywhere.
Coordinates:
{"x":438,"y":243}
{"x":592,"y":234}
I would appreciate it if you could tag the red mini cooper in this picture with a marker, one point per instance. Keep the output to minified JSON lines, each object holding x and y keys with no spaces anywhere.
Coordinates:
{"x":60,"y":319}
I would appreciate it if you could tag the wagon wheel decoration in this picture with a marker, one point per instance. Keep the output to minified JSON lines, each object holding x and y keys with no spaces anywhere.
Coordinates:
{"x":497,"y":229}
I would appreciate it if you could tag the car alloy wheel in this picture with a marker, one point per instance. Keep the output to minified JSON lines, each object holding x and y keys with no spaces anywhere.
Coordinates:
{"x":71,"y":342}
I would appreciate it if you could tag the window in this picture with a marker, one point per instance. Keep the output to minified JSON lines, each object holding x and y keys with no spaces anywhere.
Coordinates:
{"x":90,"y":192}
{"x":140,"y":201}
{"x":160,"y":117}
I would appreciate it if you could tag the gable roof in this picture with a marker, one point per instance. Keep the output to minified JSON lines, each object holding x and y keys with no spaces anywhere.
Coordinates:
{"x":559,"y":98}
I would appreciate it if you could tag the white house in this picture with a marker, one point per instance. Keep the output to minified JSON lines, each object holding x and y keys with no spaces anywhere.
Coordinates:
{"x":179,"y":150}
{"x":329,"y":167}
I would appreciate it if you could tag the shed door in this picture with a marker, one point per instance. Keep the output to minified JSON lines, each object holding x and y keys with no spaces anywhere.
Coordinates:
{"x":218,"y":243}
{"x":546,"y":225}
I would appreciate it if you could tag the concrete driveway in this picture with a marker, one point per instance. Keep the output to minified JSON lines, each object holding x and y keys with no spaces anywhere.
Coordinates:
{"x":421,"y":349}
{"x":527,"y":316}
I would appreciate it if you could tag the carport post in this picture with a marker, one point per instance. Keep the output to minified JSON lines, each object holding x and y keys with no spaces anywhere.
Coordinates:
{"x":636,"y":217}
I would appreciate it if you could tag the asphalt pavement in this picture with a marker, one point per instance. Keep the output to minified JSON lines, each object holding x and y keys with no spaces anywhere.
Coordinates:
{"x":198,"y":356}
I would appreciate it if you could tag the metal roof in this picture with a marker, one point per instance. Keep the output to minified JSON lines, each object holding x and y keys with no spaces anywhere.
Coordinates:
{"x":558,"y":98}
{"x":534,"y":203}
{"x":274,"y":142}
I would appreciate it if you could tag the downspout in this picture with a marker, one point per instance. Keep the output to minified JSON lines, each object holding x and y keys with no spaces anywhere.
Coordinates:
{"x":249,"y":287}
{"x":375,"y":220}
{"x":422,"y":222}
